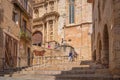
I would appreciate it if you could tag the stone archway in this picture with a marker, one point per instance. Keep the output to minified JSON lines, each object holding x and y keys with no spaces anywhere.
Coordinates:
{"x":99,"y":49}
{"x":37,"y":38}
{"x":105,"y":54}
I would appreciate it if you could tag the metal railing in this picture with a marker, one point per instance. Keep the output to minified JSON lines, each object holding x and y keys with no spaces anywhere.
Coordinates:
{"x":26,"y":34}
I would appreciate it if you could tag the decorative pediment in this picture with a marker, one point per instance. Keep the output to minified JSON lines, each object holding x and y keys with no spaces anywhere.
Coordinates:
{"x":48,"y":16}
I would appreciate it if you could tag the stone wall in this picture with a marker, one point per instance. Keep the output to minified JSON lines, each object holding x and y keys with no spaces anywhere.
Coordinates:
{"x":1,"y":48}
{"x":80,"y":39}
{"x":11,"y":28}
{"x":106,"y":22}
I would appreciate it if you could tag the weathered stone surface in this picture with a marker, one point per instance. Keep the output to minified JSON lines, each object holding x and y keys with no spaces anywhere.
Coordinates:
{"x":8,"y":27}
{"x":75,"y":34}
{"x":106,"y":19}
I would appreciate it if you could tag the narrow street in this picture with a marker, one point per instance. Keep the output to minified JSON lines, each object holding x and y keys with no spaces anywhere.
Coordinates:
{"x":59,"y":39}
{"x":84,"y":70}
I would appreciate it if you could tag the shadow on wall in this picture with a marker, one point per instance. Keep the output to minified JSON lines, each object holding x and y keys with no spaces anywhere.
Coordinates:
{"x":85,"y":73}
{"x":1,"y":16}
{"x":1,"y":37}
{"x":1,"y":49}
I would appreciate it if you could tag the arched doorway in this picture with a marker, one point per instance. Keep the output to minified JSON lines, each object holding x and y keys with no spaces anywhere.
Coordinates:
{"x":37,"y":38}
{"x":105,"y":47}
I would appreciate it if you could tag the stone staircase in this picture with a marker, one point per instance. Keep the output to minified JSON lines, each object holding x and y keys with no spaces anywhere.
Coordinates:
{"x":70,"y":71}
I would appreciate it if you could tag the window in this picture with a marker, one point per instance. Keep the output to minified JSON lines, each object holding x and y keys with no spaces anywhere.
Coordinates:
{"x":24,"y":25}
{"x":15,"y":17}
{"x":71,"y":11}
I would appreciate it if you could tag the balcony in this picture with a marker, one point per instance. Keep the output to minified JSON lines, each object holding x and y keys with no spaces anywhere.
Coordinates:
{"x":25,"y":34}
{"x":24,"y":7}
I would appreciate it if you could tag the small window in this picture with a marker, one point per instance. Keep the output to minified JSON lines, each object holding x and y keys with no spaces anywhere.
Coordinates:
{"x":24,"y":25}
{"x":15,"y":17}
{"x":71,"y":11}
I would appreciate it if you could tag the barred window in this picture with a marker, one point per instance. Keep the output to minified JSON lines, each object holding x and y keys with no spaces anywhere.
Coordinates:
{"x":71,"y":11}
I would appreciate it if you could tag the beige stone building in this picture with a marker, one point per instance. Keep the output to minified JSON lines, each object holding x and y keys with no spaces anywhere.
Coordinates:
{"x":15,"y":30}
{"x":106,"y":34}
{"x":64,"y":21}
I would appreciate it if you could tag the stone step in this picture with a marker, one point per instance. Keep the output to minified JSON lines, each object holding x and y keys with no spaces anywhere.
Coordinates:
{"x":81,"y":68}
{"x":84,"y":77}
{"x":79,"y":72}
{"x":52,"y":69}
{"x":67,"y":77}
{"x":90,"y":71}
{"x":7,"y":78}
{"x":58,"y":67}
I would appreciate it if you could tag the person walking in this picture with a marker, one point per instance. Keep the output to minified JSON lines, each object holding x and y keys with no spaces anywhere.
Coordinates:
{"x":56,"y":45}
{"x":48,"y":45}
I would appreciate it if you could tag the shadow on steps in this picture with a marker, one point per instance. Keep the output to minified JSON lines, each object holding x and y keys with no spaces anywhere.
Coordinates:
{"x":84,"y":73}
{"x":10,"y":72}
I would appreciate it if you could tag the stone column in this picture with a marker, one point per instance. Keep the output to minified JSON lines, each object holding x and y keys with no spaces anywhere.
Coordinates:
{"x":56,"y":30}
{"x":47,"y":26}
{"x":43,"y":35}
{"x":105,"y":58}
{"x":98,"y":60}
{"x":94,"y":56}
{"x":53,"y":29}
{"x":98,"y":56}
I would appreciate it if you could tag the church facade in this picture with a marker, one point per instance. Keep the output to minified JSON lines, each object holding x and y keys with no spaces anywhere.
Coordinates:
{"x":66,"y":22}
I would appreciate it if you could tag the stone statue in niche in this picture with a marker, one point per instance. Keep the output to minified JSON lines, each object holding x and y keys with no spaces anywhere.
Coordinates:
{"x":36,"y":12}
